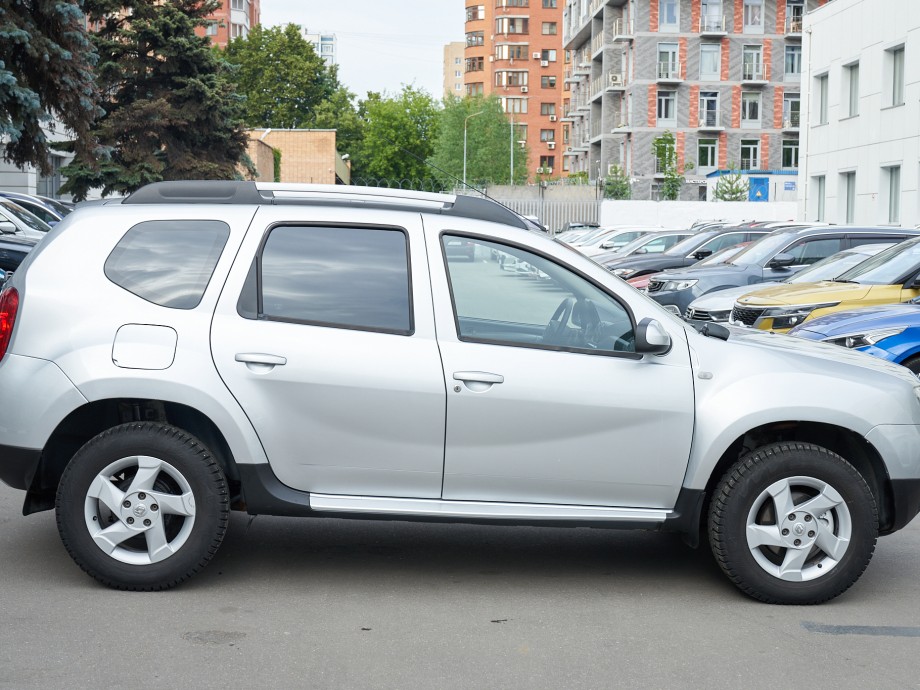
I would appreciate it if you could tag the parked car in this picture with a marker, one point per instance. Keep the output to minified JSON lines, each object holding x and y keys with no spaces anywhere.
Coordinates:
{"x":686,"y":253}
{"x":717,"y":306}
{"x":37,"y":206}
{"x":721,"y":256}
{"x":216,"y":356}
{"x":784,"y":252}
{"x":615,"y":241}
{"x":12,"y":252}
{"x":890,"y":332}
{"x":888,"y":277}
{"x":15,"y":220}
{"x":652,"y":243}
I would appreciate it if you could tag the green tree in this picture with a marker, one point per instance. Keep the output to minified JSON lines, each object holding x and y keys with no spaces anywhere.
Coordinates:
{"x":399,"y":136}
{"x":46,"y":69}
{"x":665,"y":152}
{"x":338,"y":112}
{"x":281,"y":77}
{"x":489,"y":143}
{"x":616,"y":185}
{"x":732,"y":186}
{"x":170,"y":113}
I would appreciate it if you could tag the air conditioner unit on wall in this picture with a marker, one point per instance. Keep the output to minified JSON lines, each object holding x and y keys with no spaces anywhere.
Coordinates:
{"x":544,"y":63}
{"x":552,"y":118}
{"x":548,"y":171}
{"x":551,"y":144}
{"x":616,"y":79}
{"x":536,"y":56}
{"x":523,"y":89}
{"x":539,"y":171}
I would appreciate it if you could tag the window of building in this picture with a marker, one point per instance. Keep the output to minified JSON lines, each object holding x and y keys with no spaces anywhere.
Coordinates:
{"x":456,"y":61}
{"x":474,"y":64}
{"x":668,"y":61}
{"x":707,"y":153}
{"x":848,"y":183}
{"x":895,"y":67}
{"x":753,"y":16}
{"x":458,"y":73}
{"x":750,"y":109}
{"x":790,"y":154}
{"x":512,"y":25}
{"x":475,"y":12}
{"x":474,"y":89}
{"x":517,"y":51}
{"x":791,"y":114}
{"x":668,"y":15}
{"x":821,"y":99}
{"x":893,"y":187}
{"x":547,"y":163}
{"x":549,"y":29}
{"x":210,"y":29}
{"x":514,"y":105}
{"x":547,"y":108}
{"x":795,"y":11}
{"x":511,"y":78}
{"x":752,"y":63}
{"x":238,"y":4}
{"x":473,"y":38}
{"x":548,"y":55}
{"x":818,"y":195}
{"x":851,"y":88}
{"x":793,"y":69}
{"x":511,"y":3}
{"x":750,"y":154}
{"x":548,"y":82}
{"x":237,"y":30}
{"x":711,"y":18}
{"x":667,"y":107}
{"x":565,"y":134}
{"x":547,"y":135}
{"x":709,"y":109}
{"x":710,"y":61}
{"x":549,"y":4}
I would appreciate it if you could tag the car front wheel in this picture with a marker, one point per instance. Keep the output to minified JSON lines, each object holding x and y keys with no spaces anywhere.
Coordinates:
{"x":793,"y":523}
{"x":142,"y":506}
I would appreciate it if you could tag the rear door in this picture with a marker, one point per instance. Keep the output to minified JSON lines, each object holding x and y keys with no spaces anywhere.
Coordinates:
{"x":324,"y":333}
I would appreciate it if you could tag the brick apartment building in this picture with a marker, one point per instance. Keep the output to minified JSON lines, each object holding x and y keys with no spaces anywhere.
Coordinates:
{"x":234,"y":18}
{"x":514,"y":50}
{"x":722,"y":75}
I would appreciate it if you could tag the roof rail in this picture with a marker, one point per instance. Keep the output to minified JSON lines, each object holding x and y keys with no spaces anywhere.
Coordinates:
{"x":249,"y":193}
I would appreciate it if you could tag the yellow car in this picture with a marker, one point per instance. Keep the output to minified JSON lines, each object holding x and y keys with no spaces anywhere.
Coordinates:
{"x":888,"y":277}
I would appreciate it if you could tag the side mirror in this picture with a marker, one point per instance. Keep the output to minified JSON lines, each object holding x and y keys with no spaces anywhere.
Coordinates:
{"x":701,"y":254}
{"x":7,"y":228}
{"x":781,"y":260}
{"x":641,"y":250}
{"x":608,"y":244}
{"x":652,"y":338}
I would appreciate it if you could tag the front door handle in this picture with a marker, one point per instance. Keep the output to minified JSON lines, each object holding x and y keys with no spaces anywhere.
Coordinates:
{"x":260,"y":358}
{"x":478,"y":377}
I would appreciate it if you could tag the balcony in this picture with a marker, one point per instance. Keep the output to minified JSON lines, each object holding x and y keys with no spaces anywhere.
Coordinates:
{"x":622,"y":126}
{"x":597,"y":44}
{"x":710,"y":122}
{"x":750,"y":164}
{"x":752,"y":74}
{"x":794,"y":27}
{"x":598,"y":85}
{"x":713,"y":27}
{"x":623,"y":31}
{"x":791,"y":120}
{"x":669,"y":73}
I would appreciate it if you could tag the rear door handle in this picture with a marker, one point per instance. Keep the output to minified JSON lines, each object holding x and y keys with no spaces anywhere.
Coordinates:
{"x":260,"y":358}
{"x":478,"y":377}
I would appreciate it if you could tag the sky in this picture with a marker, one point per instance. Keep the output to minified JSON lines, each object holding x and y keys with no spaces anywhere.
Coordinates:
{"x":381,"y":44}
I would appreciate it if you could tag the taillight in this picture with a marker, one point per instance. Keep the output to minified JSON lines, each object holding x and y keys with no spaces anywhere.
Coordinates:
{"x":9,"y":305}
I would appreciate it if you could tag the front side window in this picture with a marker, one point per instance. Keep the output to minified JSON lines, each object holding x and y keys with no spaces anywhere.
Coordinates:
{"x":340,"y":277}
{"x":169,"y":263}
{"x":808,"y":252}
{"x":557,"y":309}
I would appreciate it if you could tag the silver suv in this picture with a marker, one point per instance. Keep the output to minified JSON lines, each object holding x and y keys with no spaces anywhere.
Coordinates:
{"x":347,"y":352}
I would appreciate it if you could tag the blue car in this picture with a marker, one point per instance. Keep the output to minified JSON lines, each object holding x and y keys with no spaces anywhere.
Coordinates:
{"x":891,"y":332}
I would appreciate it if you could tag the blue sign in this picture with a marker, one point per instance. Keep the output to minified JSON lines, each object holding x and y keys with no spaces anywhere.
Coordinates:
{"x":789,"y":186}
{"x":758,"y":189}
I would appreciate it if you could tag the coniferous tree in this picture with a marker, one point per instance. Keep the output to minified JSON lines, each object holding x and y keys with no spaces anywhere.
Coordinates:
{"x":170,"y":113}
{"x":46,"y":63}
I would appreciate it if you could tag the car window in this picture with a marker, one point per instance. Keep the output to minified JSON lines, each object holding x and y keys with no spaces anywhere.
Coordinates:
{"x":340,"y":277}
{"x":26,"y":218}
{"x":808,"y":251}
{"x":516,"y":297}
{"x":168,"y":262}
{"x":723,"y":241}
{"x":39,"y":211}
{"x":887,"y":267}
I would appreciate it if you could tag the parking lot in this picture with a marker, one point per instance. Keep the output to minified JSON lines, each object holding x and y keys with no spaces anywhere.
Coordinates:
{"x":349,"y":603}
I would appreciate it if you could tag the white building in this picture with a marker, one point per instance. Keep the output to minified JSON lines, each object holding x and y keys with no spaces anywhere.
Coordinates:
{"x":860,"y":130}
{"x":324,"y":45}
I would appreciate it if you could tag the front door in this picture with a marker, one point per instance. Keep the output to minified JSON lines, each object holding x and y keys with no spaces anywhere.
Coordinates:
{"x":547,"y":401}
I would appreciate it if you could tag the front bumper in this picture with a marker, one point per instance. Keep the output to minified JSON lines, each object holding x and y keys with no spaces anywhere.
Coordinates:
{"x":678,"y":298}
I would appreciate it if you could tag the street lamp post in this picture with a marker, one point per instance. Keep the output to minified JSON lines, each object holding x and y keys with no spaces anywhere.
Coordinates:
{"x":465,"y":120}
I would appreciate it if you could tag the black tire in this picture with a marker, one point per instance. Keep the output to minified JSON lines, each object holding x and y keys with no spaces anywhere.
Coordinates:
{"x":912,"y":364}
{"x":797,"y":473}
{"x":129,"y":470}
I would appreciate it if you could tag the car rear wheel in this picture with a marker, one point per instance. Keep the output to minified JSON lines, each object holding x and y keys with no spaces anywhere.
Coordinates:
{"x":793,"y":523}
{"x":913,"y":364}
{"x":142,"y":506}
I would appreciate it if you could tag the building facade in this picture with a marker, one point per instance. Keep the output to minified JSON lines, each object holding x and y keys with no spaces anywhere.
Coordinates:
{"x":453,"y":69}
{"x":324,"y":44}
{"x":723,"y":76}
{"x":514,"y":50}
{"x":234,"y":18}
{"x":861,"y":114}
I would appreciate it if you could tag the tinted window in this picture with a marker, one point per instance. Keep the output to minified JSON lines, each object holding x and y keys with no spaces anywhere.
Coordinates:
{"x":334,"y":276}
{"x":168,"y":262}
{"x":514,"y":297}
{"x":808,"y":252}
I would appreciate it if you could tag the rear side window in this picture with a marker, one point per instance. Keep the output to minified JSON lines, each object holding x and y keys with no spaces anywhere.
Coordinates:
{"x":342,"y":277}
{"x":168,"y":262}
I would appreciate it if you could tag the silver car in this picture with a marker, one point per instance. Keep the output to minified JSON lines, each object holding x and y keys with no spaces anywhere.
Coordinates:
{"x":316,"y":351}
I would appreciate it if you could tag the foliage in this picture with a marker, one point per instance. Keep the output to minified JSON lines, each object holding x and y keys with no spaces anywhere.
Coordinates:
{"x":399,"y":134}
{"x":732,"y":186}
{"x":489,"y":143}
{"x":46,"y":68}
{"x":170,"y":113}
{"x":580,"y":177}
{"x":616,"y":185}
{"x":281,"y":77}
{"x":338,"y":112}
{"x":276,"y":161}
{"x":665,"y":152}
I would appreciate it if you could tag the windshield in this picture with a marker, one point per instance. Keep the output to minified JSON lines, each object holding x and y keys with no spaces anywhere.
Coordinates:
{"x":595,"y":234}
{"x":622,"y":240}
{"x":722,"y":255}
{"x":762,"y":249}
{"x":24,"y":216}
{"x":888,"y":267}
{"x":833,"y":266}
